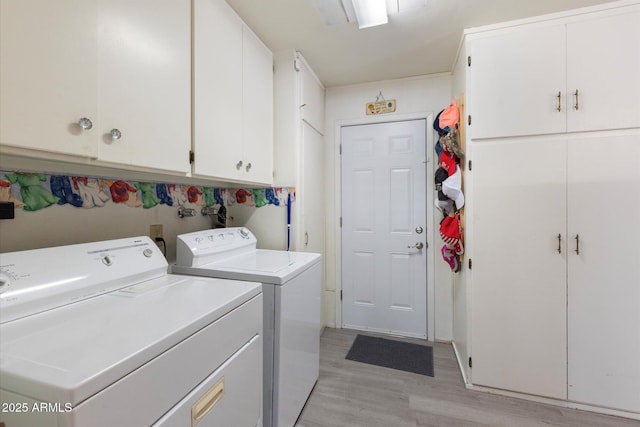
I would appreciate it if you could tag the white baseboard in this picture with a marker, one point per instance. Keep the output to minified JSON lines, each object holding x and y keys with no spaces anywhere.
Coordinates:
{"x":556,"y":402}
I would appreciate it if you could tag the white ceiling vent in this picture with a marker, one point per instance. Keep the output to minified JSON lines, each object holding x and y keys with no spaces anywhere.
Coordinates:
{"x":334,"y":12}
{"x":340,"y":12}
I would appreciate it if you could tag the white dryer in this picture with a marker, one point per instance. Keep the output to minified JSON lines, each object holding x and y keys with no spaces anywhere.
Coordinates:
{"x":291,"y":291}
{"x":99,"y":334}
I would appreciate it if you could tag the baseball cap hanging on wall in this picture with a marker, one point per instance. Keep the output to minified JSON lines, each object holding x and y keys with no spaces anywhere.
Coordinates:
{"x":448,"y":179}
{"x":451,"y":235}
{"x":452,"y":188}
{"x":451,"y":142}
{"x":449,"y":117}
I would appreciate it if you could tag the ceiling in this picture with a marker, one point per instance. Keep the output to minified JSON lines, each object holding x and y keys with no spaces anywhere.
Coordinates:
{"x":422,"y":41}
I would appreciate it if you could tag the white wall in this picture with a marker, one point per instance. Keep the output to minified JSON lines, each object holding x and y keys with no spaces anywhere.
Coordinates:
{"x":426,"y":94}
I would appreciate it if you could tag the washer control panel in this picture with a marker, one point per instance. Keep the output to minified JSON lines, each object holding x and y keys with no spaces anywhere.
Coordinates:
{"x":202,"y":247}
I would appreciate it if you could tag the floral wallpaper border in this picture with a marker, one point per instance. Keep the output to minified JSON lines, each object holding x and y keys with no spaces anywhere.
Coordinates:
{"x":35,"y":191}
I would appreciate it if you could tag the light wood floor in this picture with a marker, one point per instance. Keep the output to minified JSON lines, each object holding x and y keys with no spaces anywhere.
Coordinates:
{"x":353,"y":394}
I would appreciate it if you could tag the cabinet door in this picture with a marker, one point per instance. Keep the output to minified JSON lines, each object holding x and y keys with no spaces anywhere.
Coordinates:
{"x":311,"y":194}
{"x":257,"y":109}
{"x":312,"y":98}
{"x":145,"y":83}
{"x":217,"y":89}
{"x":603,"y":65}
{"x":604,"y":277}
{"x":519,"y":266}
{"x":48,"y":75}
{"x":515,"y":77}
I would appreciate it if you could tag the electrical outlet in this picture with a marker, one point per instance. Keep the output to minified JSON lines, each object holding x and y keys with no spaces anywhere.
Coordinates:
{"x":155,"y":230}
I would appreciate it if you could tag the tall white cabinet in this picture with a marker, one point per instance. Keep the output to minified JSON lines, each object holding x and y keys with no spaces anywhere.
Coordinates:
{"x":232,"y":97}
{"x":554,"y":206}
{"x":299,"y":154}
{"x":101,"y":82}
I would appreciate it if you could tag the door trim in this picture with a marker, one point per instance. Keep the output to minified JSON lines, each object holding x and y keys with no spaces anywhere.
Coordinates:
{"x":337,"y":203}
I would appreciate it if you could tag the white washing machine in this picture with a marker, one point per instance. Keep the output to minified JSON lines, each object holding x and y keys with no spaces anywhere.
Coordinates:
{"x":291,"y":291}
{"x":99,"y":334}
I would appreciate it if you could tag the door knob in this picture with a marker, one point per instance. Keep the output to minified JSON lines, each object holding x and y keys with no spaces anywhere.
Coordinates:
{"x":418,"y":246}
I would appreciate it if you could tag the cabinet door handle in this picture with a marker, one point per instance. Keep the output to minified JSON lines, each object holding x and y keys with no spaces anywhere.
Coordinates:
{"x":577,"y":244}
{"x":239,"y":165}
{"x":306,"y":238}
{"x":559,"y":96}
{"x":559,"y":243}
{"x":248,"y":167}
{"x":115,"y":134}
{"x":85,"y":123}
{"x":577,"y":104}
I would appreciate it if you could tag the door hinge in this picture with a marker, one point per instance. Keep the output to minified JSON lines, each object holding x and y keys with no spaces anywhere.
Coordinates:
{"x":470,"y":362}
{"x":469,"y":119}
{"x":470,"y":263}
{"x":341,"y":149}
{"x":470,"y":164}
{"x":340,"y":222}
{"x":192,"y":156}
{"x":340,"y":295}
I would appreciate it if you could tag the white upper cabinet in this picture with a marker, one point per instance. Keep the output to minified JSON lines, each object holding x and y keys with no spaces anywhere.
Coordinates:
{"x":257,"y":109}
{"x":312,"y":97}
{"x":563,"y":75}
{"x":603,"y":72}
{"x":217,"y":85}
{"x":104,"y":80}
{"x":48,"y":75}
{"x":516,"y":77}
{"x":145,"y":83}
{"x":233,"y":97}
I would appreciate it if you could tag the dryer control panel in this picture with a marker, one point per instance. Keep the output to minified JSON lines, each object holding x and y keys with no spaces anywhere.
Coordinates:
{"x":41,"y":279}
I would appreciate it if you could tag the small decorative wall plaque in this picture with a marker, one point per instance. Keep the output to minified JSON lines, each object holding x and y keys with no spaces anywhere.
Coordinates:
{"x":380,"y":106}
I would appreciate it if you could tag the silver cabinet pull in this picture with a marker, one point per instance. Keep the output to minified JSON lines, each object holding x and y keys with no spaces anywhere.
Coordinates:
{"x":417,"y":246}
{"x":306,"y":238}
{"x":577,"y":95}
{"x":559,"y":96}
{"x":239,"y":165}
{"x":577,"y":244}
{"x":248,"y":167}
{"x":559,"y":243}
{"x":115,"y":134}
{"x":85,"y":123}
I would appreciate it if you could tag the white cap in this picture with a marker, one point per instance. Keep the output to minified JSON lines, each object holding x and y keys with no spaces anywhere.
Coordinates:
{"x":452,"y":188}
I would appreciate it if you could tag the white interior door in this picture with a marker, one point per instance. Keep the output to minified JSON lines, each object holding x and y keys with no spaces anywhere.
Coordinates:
{"x":384,"y":276}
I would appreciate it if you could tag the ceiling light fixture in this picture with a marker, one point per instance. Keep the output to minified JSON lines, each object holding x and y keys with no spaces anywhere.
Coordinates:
{"x":370,"y":13}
